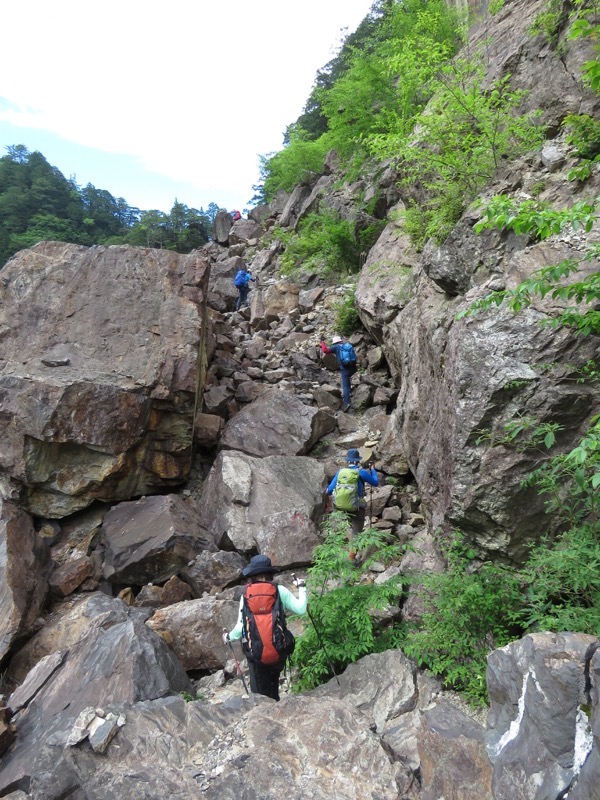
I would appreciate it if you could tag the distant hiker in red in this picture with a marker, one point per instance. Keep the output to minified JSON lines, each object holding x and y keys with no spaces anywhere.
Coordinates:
{"x":346,"y":358}
{"x":236,"y":215}
{"x":266,"y":641}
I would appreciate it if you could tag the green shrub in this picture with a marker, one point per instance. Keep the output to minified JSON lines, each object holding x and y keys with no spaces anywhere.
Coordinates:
{"x":344,"y":610}
{"x":583,"y":135}
{"x":324,"y":243}
{"x":469,"y":612}
{"x":347,"y":320}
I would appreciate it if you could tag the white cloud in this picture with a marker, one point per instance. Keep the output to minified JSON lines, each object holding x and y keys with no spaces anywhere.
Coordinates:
{"x":194,"y":91}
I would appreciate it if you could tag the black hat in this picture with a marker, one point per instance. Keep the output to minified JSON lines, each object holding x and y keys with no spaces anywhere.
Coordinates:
{"x":353,"y":455}
{"x":258,"y":565}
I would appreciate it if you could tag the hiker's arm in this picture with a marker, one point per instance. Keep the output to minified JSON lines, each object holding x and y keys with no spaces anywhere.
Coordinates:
{"x":331,"y":486}
{"x":236,"y":633}
{"x":291,"y":603}
{"x":369,"y":476}
{"x":325,"y":349}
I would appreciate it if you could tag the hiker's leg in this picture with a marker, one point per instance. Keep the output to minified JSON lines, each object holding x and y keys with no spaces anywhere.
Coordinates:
{"x":239,"y":300}
{"x":358,"y":521}
{"x":264,"y":680}
{"x":345,"y":385}
{"x":254,"y":683}
{"x":244,"y":291}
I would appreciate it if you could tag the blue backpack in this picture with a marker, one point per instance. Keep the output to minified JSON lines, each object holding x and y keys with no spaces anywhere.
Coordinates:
{"x":346,"y":354}
{"x":241,"y":278}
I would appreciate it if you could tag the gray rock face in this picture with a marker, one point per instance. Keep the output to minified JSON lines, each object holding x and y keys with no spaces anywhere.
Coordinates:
{"x":540,"y":737}
{"x":113,"y":417}
{"x":268,"y":505}
{"x":152,"y":539}
{"x":221,"y":226}
{"x":23,"y":575}
{"x":278,"y":423}
{"x":123,"y":663}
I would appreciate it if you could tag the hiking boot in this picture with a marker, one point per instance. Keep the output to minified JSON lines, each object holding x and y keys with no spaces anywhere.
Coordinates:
{"x":352,"y":555}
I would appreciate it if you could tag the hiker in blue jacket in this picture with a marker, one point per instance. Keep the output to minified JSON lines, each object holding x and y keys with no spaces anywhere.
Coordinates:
{"x":242,"y":283}
{"x":352,"y":500}
{"x":346,"y":358}
{"x":264,"y":678}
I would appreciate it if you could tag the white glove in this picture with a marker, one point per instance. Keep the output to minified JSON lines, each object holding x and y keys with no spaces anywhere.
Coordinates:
{"x":299,"y":582}
{"x":226,"y":638}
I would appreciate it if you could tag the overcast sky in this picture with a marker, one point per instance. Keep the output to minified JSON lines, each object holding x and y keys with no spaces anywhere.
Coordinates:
{"x":154,"y":101}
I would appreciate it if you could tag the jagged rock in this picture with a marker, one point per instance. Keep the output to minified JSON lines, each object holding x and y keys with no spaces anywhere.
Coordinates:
{"x":174,"y":591}
{"x":386,"y":281}
{"x":279,"y":300}
{"x":361,"y":396}
{"x":216,"y":400}
{"x":266,"y":505}
{"x":124,"y":663}
{"x":210,"y":572}
{"x":193,"y":630}
{"x":278,"y":423}
{"x":36,"y":678}
{"x":151,"y":539}
{"x":67,"y":625}
{"x":307,"y":298}
{"x":23,"y":575}
{"x":244,"y":231}
{"x":65,"y":579}
{"x":116,"y":421}
{"x":291,"y":210}
{"x":207,"y":429}
{"x":540,"y":735}
{"x":453,"y":756}
{"x":222,"y":224}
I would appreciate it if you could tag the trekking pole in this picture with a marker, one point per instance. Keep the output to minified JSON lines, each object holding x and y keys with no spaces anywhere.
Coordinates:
{"x":237,"y":663}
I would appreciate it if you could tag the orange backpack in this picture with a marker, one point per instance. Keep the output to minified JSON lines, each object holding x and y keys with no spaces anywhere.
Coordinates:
{"x":265,"y":637}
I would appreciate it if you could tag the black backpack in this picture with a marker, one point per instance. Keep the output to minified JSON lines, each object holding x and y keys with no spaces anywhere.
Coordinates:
{"x":265,"y":637}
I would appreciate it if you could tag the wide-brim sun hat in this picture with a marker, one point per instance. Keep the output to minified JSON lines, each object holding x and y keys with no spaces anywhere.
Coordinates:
{"x":259,"y":565}
{"x":353,"y":455}
{"x":336,"y":340}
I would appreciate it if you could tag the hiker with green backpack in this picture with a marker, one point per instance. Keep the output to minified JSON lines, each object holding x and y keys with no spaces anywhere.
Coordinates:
{"x":266,"y":640}
{"x":347,"y":489}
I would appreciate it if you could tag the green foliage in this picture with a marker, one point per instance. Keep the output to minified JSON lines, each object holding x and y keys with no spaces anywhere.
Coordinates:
{"x":583,"y":135}
{"x":584,"y":18}
{"x":347,"y":320}
{"x":563,"y":580}
{"x":298,"y":163}
{"x":522,"y":432}
{"x":549,"y":22}
{"x":344,"y":610}
{"x":379,"y":82}
{"x":324,"y":242}
{"x":463,"y":136}
{"x":469,"y":612}
{"x":540,"y":221}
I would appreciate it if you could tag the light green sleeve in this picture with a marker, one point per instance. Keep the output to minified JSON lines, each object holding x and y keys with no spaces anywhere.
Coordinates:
{"x":291,"y":603}
{"x":236,"y":632}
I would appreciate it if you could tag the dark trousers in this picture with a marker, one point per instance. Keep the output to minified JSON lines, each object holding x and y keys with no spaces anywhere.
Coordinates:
{"x":242,"y":296}
{"x":347,"y":373}
{"x":265,"y":679}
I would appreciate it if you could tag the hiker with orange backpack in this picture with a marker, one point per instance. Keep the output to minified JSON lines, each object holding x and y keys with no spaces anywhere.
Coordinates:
{"x":266,"y":640}
{"x":347,"y":488}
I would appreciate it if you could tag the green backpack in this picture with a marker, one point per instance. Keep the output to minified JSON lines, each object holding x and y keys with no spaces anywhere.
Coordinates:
{"x":345,"y":494}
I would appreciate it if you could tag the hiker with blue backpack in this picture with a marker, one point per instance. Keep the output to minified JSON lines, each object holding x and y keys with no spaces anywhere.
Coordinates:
{"x":242,"y":284}
{"x":266,"y":640}
{"x":347,"y":489}
{"x":346,"y":359}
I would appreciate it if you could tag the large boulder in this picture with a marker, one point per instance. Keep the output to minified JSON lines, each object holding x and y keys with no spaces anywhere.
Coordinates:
{"x":542,"y":709}
{"x":151,"y":539}
{"x":278,"y":423}
{"x":98,"y":373}
{"x":124,"y":662}
{"x":23,"y":575}
{"x":266,"y":505}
